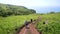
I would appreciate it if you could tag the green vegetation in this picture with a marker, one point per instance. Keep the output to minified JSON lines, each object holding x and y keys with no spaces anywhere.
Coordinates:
{"x":8,"y":24}
{"x":18,"y":16}
{"x":7,"y":10}
{"x":52,"y":26}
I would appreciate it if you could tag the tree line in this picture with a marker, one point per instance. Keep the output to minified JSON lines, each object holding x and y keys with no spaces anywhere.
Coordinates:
{"x":7,"y":10}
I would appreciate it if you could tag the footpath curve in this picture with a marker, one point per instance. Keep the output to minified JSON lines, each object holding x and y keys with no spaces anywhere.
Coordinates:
{"x":31,"y":28}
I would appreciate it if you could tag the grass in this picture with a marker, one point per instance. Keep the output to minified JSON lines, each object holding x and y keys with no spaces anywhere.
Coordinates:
{"x":8,"y":24}
{"x":53,"y":25}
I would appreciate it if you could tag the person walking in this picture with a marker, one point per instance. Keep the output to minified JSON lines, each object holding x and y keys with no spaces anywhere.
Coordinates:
{"x":31,"y":20}
{"x":26,"y":24}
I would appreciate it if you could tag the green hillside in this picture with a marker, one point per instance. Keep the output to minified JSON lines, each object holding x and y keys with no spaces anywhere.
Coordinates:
{"x":6,"y":10}
{"x":9,"y":24}
{"x":50,"y":24}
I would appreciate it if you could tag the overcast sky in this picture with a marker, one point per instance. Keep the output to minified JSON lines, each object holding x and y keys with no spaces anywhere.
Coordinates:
{"x":34,"y":4}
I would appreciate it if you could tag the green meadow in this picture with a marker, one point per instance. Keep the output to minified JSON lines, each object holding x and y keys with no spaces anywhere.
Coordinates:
{"x":52,"y":26}
{"x":8,"y":24}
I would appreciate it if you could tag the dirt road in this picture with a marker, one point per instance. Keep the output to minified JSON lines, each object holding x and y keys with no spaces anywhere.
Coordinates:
{"x":31,"y":30}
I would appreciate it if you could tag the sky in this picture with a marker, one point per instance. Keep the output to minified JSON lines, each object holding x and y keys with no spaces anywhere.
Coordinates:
{"x":41,"y":6}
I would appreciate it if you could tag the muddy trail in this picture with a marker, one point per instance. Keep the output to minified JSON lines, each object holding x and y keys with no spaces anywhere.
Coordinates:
{"x":30,"y":28}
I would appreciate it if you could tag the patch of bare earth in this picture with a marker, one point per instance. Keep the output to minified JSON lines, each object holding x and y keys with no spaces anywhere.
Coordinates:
{"x":31,"y":30}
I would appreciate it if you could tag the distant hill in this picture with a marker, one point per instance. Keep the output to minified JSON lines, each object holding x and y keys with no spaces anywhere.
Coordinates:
{"x":6,"y":10}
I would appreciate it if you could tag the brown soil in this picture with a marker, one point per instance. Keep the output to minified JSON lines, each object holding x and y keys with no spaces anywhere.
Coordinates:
{"x":31,"y":30}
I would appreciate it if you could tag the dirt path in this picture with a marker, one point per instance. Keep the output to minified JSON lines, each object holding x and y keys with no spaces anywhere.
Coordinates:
{"x":31,"y":30}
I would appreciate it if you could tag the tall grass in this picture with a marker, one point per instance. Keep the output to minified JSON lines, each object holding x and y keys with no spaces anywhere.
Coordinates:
{"x":8,"y":24}
{"x":53,"y":25}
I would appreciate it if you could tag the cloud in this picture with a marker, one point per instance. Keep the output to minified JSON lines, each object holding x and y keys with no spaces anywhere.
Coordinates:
{"x":32,"y":3}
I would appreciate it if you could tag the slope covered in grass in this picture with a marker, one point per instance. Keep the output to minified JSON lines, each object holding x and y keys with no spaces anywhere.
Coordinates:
{"x":52,"y":26}
{"x":8,"y":24}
